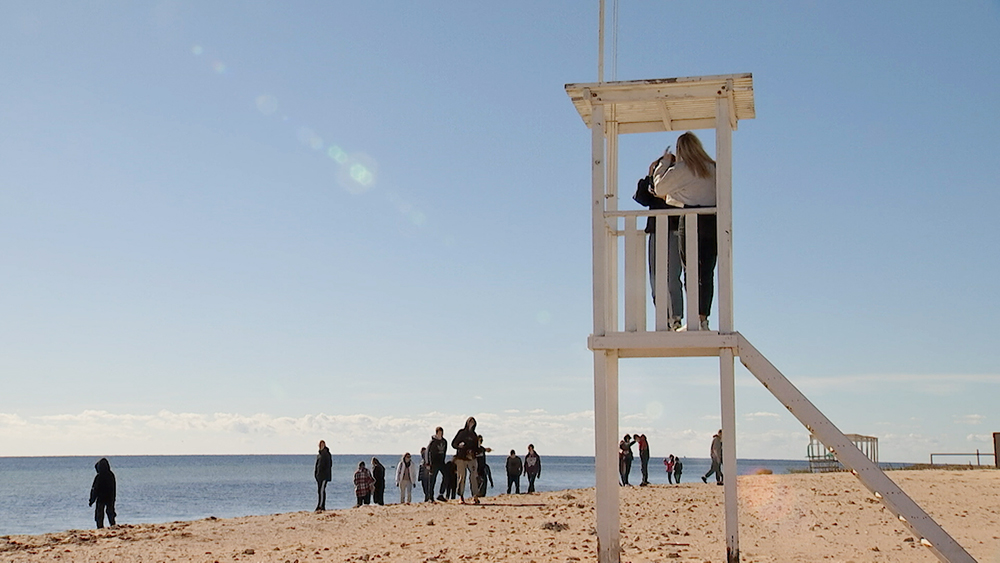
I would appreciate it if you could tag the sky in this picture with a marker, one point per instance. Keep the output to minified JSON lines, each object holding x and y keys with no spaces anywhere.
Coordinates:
{"x":241,"y":228}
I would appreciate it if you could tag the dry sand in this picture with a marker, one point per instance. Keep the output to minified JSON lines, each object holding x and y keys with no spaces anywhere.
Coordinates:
{"x":783,"y":518}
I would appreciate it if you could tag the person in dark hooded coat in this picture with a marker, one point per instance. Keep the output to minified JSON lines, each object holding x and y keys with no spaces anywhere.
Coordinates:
{"x":103,"y":492}
{"x":323,"y":474}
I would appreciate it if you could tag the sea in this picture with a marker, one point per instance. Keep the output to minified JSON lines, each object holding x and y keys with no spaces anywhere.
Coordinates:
{"x":49,"y":494}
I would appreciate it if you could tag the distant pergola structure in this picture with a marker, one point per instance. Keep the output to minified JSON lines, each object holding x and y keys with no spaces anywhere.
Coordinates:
{"x":822,"y":459}
{"x":611,"y":109}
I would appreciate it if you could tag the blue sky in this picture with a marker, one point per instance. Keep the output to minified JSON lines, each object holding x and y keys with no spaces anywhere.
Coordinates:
{"x":190,"y":267}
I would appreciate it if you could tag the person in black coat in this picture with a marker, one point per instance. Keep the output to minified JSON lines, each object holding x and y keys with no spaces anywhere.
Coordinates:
{"x":103,"y":493}
{"x":378,"y":473}
{"x":514,"y":470}
{"x":322,"y":473}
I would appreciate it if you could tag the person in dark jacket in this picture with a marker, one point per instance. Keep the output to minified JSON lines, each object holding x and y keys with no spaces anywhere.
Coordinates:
{"x":450,"y":480}
{"x":378,"y":474}
{"x":322,"y":473}
{"x":514,"y":470}
{"x":103,"y":493}
{"x":437,"y":453}
{"x":678,"y":469}
{"x":482,"y":468}
{"x":532,"y":467}
{"x":644,"y":459}
{"x":465,"y":443}
{"x":625,"y":457}
{"x":363,"y":483}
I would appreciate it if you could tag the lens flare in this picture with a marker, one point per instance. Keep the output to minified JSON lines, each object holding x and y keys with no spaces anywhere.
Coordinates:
{"x":337,"y":154}
{"x":358,"y":173}
{"x":267,"y":104}
{"x":309,"y":138}
{"x":543,"y":317}
{"x":197,"y":50}
{"x":219,"y":67}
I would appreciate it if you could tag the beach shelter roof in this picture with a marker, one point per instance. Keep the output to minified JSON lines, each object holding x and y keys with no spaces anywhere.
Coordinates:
{"x":666,"y":104}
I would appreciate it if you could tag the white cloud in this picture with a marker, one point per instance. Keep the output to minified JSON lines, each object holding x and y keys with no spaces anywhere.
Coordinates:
{"x":100,"y":432}
{"x":755,"y":415}
{"x":969,"y":419}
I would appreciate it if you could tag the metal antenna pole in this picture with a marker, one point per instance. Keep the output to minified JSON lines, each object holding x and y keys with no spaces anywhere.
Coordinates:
{"x":600,"y":46}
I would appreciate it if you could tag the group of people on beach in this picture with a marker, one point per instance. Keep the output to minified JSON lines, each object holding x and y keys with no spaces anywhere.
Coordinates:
{"x":468,"y":464}
{"x":672,"y":464}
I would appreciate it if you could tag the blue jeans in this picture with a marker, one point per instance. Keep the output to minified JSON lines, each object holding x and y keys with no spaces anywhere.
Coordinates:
{"x":675,"y":308}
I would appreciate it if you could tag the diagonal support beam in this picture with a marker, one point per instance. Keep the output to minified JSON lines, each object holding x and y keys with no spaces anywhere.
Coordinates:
{"x":899,"y":503}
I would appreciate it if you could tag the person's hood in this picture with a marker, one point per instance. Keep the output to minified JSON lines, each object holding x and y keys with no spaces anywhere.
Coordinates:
{"x":103,"y":465}
{"x":473,"y":419}
{"x":325,"y":450}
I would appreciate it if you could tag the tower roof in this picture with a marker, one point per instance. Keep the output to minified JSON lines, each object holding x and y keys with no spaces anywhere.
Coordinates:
{"x":666,"y":104}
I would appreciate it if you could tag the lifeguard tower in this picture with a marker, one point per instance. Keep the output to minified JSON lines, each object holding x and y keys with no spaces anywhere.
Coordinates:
{"x":611,"y":109}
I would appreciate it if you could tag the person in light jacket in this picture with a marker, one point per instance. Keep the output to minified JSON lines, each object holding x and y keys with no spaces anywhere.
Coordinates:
{"x":406,"y":478}
{"x":465,"y":442}
{"x":688,"y":180}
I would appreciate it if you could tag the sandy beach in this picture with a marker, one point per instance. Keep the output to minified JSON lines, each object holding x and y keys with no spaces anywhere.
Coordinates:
{"x":783,"y":518}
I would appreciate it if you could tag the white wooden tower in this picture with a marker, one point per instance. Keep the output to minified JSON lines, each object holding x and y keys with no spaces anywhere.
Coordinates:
{"x":611,"y":109}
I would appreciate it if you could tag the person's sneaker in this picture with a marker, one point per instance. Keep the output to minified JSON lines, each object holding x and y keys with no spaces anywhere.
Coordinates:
{"x":674,"y":323}
{"x":703,"y":325}
{"x":442,"y":499}
{"x":704,"y":480}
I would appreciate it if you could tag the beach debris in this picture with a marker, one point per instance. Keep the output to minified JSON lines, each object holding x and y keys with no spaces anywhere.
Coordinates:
{"x":430,"y":522}
{"x":555,"y":526}
{"x":568,"y":496}
{"x":248,"y":551}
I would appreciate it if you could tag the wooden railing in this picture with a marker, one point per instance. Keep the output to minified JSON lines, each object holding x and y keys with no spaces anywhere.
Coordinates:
{"x":631,"y":269}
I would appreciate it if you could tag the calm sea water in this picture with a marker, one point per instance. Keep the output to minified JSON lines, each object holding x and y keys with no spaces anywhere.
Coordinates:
{"x":49,"y":494}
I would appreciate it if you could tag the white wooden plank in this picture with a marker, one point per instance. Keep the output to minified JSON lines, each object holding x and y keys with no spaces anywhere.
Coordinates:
{"x":724,"y":222}
{"x":691,"y":271}
{"x":727,"y":380}
{"x":663,"y":301}
{"x":599,"y":228}
{"x":871,"y":476}
{"x":634,"y":261}
{"x":606,"y":455}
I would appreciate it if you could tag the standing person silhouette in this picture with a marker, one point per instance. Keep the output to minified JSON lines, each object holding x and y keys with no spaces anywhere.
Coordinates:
{"x":625,"y":457}
{"x":465,"y":443}
{"x":532,"y":467}
{"x":688,"y":180}
{"x":363,"y":484}
{"x":716,"y":460}
{"x":437,"y":453}
{"x":322,"y":473}
{"x":514,"y":470}
{"x":644,"y":459}
{"x":378,"y":482}
{"x":103,"y":492}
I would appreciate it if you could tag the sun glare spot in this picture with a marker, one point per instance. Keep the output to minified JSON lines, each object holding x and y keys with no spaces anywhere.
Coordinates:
{"x":219,"y":67}
{"x":267,"y":104}
{"x":543,"y":317}
{"x":309,"y":138}
{"x":357,"y":173}
{"x":361,"y":175}
{"x":337,"y":154}
{"x":418,"y":218}
{"x":197,"y":50}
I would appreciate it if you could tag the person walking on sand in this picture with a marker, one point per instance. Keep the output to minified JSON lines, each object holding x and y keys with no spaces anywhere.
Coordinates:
{"x":437,"y":453}
{"x":322,"y":473}
{"x":532,"y":467}
{"x":716,"y":460}
{"x":465,"y":443}
{"x":514,"y":470}
{"x":625,"y":457}
{"x":363,"y":484}
{"x":678,"y":468}
{"x":103,"y":492}
{"x":644,"y":459}
{"x":406,"y":478}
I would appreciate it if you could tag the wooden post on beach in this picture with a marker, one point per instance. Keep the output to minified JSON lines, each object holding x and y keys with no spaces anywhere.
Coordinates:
{"x":996,"y":449}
